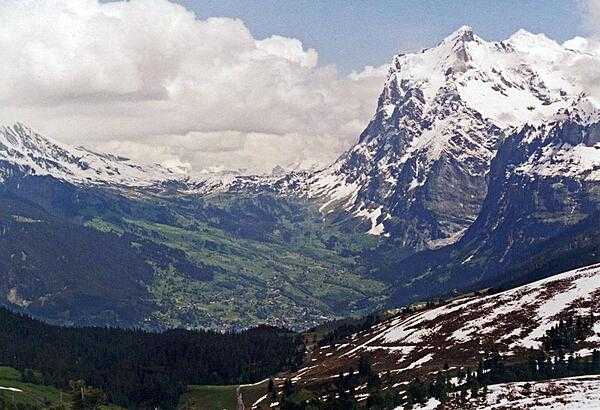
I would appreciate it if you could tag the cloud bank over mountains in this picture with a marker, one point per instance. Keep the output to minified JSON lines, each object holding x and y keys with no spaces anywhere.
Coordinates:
{"x":150,"y":80}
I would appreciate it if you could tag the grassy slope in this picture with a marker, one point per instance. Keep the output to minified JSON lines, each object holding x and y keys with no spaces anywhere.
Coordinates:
{"x":39,"y":396}
{"x":221,"y":397}
{"x":252,"y":393}
{"x":34,"y":395}
{"x":197,"y":397}
{"x":226,"y":262}
{"x":276,"y":281}
{"x":209,"y":398}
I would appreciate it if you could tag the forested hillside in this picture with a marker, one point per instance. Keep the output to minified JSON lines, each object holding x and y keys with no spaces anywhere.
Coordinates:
{"x":139,"y":369}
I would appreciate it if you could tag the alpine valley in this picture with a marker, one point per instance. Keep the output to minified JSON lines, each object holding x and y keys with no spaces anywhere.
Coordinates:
{"x":460,"y":232}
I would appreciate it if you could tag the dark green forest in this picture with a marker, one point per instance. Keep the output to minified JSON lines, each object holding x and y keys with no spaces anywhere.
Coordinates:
{"x":141,"y":369}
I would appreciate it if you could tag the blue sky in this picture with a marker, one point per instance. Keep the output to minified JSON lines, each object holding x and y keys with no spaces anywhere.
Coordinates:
{"x":352,"y":34}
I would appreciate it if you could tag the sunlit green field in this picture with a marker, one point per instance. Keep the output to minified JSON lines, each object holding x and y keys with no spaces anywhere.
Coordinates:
{"x":32,"y":395}
{"x":209,"y":398}
{"x":221,"y":397}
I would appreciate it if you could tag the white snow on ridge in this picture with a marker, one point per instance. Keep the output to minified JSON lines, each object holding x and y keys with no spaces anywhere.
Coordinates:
{"x":512,"y":321}
{"x":539,"y":302}
{"x":580,"y":289}
{"x":462,"y":330}
{"x":579,"y":156}
{"x":574,"y":393}
{"x":38,"y":155}
{"x":577,"y":161}
{"x":512,"y":82}
{"x":43,"y":156}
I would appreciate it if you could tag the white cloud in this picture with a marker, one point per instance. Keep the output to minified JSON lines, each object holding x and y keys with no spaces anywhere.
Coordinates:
{"x":150,"y":80}
{"x":590,"y":12}
{"x":289,"y":49}
{"x":585,"y":68}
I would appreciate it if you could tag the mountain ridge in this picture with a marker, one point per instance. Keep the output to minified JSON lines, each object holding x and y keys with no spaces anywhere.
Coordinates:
{"x":543,"y":198}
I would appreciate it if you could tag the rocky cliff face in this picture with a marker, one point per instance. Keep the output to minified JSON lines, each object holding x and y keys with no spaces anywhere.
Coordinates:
{"x":543,"y":180}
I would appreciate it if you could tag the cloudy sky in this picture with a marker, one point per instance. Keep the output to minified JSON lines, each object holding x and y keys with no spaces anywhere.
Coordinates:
{"x":224,"y":84}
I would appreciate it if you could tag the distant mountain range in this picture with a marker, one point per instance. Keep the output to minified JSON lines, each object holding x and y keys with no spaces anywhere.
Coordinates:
{"x":481,"y":166}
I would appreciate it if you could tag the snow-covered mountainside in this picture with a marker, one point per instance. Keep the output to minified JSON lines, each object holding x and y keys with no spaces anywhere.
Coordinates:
{"x":24,"y":152}
{"x":511,"y":322}
{"x":544,"y":178}
{"x":567,"y":147}
{"x":425,"y":340}
{"x":39,"y":155}
{"x":569,"y":393}
{"x":418,"y":171}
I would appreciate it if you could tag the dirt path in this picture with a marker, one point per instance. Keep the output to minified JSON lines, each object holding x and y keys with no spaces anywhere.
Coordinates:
{"x":240,"y":399}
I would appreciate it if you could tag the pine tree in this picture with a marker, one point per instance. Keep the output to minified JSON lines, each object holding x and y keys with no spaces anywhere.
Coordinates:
{"x":461,"y":375}
{"x":439,"y":388}
{"x":532,"y":369}
{"x":416,"y":392}
{"x":364,"y":366}
{"x":288,"y":388}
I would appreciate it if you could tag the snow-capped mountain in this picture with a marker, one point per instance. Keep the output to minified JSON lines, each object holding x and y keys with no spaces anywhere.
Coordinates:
{"x":567,"y":147}
{"x":544,"y":179}
{"x":418,"y":171}
{"x":40,"y":155}
{"x":24,"y":152}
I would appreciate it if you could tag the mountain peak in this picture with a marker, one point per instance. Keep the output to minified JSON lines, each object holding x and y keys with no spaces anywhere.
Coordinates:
{"x":463,"y":33}
{"x":523,"y":34}
{"x":446,"y":107}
